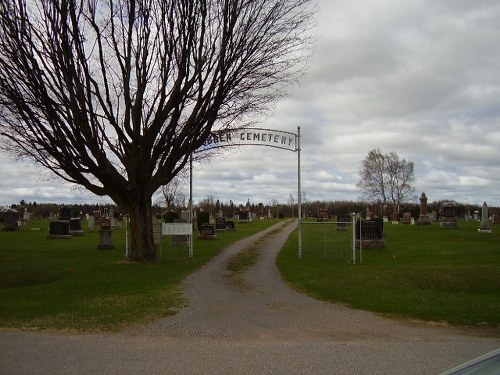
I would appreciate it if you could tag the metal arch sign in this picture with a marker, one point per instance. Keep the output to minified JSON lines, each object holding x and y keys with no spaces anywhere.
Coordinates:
{"x":258,"y":137}
{"x":251,"y":136}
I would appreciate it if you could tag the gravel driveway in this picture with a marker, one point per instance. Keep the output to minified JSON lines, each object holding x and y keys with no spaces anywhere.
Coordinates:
{"x":258,"y":326}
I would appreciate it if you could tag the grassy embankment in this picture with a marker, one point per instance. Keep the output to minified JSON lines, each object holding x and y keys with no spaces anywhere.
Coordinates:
{"x":70,"y":284}
{"x":425,"y":272}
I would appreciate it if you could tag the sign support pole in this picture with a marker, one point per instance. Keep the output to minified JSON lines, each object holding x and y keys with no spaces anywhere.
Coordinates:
{"x":191,"y":204}
{"x":299,"y":193}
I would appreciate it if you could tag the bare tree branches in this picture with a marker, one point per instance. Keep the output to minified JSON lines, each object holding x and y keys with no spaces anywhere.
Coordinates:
{"x":386,"y":178}
{"x":114,"y":95}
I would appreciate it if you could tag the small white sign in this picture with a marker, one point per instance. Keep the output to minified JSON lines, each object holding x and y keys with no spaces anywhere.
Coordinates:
{"x":176,"y":229}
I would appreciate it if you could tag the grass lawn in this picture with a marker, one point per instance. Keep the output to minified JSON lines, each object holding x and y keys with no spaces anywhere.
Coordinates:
{"x":425,"y":272}
{"x":70,"y":284}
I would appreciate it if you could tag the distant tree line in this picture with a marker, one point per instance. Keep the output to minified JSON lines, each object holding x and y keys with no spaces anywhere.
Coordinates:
{"x":275,"y":208}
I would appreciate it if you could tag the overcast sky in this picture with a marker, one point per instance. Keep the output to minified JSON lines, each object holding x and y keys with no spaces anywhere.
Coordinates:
{"x":418,"y":77}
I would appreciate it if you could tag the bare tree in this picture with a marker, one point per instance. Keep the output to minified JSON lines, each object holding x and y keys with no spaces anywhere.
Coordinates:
{"x":114,"y":95}
{"x":172,"y":194}
{"x":386,"y":178}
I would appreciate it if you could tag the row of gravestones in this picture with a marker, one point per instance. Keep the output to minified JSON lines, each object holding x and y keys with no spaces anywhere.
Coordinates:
{"x":208,"y":231}
{"x":67,"y":227}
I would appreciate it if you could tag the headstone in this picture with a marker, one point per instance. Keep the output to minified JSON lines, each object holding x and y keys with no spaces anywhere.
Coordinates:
{"x":342,"y":223}
{"x":423,"y":219}
{"x":220,"y":224}
{"x":106,"y":241}
{"x":90,"y":222}
{"x":26,"y":215}
{"x":59,"y":230}
{"x":10,"y":220}
{"x":322,"y":215}
{"x":65,"y":213}
{"x":230,"y":225}
{"x":395,"y":217}
{"x":185,"y":216}
{"x":75,"y":226}
{"x":448,"y":217}
{"x":157,"y":232}
{"x":407,"y":218}
{"x":386,"y":213}
{"x":244,"y":217}
{"x":369,"y":234}
{"x":208,"y":232}
{"x":496,"y":219}
{"x":485,"y":223}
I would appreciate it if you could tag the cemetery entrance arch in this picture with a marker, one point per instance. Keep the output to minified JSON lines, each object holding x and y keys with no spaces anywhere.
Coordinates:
{"x":256,"y":137}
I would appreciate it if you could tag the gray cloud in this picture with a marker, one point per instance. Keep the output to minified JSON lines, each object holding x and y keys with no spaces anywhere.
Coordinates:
{"x":420,"y":78}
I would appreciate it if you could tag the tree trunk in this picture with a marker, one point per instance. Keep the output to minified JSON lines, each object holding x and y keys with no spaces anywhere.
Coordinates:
{"x":142,"y":247}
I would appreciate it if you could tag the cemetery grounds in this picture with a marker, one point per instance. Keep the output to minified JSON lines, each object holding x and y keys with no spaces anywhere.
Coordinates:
{"x":424,"y":273}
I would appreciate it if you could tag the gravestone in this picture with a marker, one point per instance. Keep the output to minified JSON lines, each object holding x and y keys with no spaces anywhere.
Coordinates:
{"x":448,"y":216}
{"x":207,"y":232}
{"x":423,"y":219}
{"x":90,"y":222}
{"x":106,"y":241}
{"x":395,"y":217}
{"x":65,"y":213}
{"x":496,"y":219}
{"x":59,"y":230}
{"x":369,"y":234}
{"x":26,"y":215}
{"x":343,"y":222}
{"x":230,"y":225}
{"x":157,"y":233}
{"x":385,"y":216}
{"x":485,"y":223}
{"x":10,"y":218}
{"x":407,"y":218}
{"x":322,"y":215}
{"x":185,"y":217}
{"x":220,"y":224}
{"x":244,"y":217}
{"x":75,"y":226}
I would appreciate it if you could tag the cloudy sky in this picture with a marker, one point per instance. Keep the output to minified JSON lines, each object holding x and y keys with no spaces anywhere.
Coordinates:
{"x":418,"y":77}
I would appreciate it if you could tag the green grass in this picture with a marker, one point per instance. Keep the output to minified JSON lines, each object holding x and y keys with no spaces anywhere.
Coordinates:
{"x":71,"y":285}
{"x":425,"y":273}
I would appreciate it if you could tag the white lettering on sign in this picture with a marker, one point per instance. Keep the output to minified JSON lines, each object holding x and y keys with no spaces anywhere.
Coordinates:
{"x":254,"y":136}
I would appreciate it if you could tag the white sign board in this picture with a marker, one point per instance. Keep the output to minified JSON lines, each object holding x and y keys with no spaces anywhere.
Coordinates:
{"x":176,"y":229}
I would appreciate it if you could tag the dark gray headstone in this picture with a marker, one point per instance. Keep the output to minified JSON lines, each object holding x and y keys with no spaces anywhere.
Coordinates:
{"x":59,"y":229}
{"x":10,"y":220}
{"x":370,"y":229}
{"x":65,"y":213}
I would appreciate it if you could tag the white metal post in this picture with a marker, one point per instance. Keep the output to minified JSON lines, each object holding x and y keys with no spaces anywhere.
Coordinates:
{"x":354,"y":237}
{"x":299,"y":193}
{"x":191,"y":204}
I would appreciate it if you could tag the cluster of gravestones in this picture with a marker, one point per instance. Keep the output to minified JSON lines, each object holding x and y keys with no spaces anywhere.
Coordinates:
{"x":69,"y":224}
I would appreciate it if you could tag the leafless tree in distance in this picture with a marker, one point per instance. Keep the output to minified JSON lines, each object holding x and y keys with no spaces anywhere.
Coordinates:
{"x":386,"y":178}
